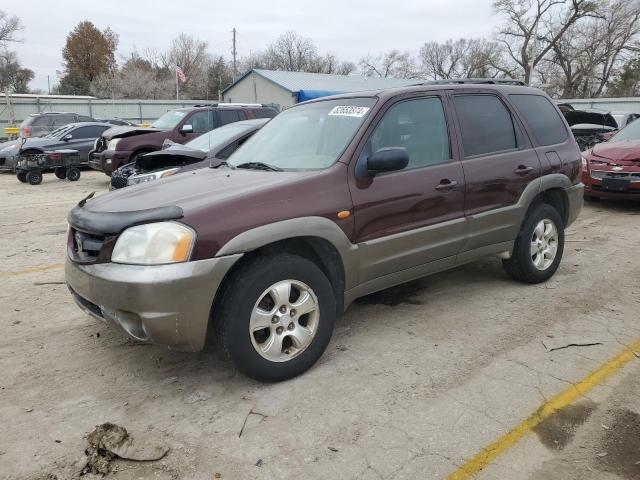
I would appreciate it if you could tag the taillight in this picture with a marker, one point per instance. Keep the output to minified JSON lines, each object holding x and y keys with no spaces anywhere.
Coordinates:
{"x":26,"y":131}
{"x":55,"y":156}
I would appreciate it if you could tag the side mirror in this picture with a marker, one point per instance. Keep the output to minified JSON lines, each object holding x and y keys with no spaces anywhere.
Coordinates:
{"x":388,"y":159}
{"x":67,"y":137}
{"x":186,"y":129}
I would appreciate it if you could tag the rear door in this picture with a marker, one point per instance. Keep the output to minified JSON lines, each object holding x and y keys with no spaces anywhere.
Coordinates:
{"x":498,"y":162}
{"x":412,"y":217}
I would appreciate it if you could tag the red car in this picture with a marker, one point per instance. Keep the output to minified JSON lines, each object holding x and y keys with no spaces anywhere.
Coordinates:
{"x":612,"y":169}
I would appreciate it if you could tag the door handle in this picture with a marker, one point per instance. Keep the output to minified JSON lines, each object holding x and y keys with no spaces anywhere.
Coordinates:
{"x":445,"y":185}
{"x":522,"y":170}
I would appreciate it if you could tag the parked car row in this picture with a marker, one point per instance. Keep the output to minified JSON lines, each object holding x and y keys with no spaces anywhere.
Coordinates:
{"x":330,"y":200}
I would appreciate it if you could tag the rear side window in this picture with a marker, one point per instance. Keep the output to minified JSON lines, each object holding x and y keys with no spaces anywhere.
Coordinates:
{"x":264,"y":113}
{"x":227,"y":116}
{"x":542,"y":118}
{"x":59,"y":120}
{"x":486,"y":124}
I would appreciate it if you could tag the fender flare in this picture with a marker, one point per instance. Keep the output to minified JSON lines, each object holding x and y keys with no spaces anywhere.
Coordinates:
{"x":313,"y":226}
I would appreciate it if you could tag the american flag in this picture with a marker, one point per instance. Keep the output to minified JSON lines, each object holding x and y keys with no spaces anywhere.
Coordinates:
{"x":181,"y":75}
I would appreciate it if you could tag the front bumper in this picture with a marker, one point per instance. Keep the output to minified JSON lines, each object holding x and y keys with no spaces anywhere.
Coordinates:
{"x":7,"y":162}
{"x":108,"y":160}
{"x":594,"y":188}
{"x":167,"y":305}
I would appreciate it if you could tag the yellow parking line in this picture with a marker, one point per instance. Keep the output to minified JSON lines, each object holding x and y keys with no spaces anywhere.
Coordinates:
{"x":571,"y":394}
{"x":55,"y":266}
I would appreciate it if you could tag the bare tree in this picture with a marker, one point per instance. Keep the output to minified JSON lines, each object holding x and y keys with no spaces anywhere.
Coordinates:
{"x":291,"y":52}
{"x":461,"y":58}
{"x":9,"y":27}
{"x":529,"y":31}
{"x":190,"y":54}
{"x":393,"y":63}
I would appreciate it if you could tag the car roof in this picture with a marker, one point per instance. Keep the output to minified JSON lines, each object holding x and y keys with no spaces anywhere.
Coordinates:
{"x":39,"y":114}
{"x":387,"y":93}
{"x":87,"y":124}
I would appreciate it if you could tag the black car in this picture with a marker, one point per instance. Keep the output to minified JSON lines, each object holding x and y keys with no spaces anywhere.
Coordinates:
{"x":75,"y":136}
{"x":206,"y":150}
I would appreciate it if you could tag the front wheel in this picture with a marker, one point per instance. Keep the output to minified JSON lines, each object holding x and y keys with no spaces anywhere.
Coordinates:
{"x":22,"y":177}
{"x":538,"y":249}
{"x":276,"y":315}
{"x":60,"y":172}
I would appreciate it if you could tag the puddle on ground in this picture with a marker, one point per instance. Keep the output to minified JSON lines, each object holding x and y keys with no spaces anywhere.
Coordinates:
{"x":557,"y":430}
{"x":621,"y":443}
{"x":405,"y":293}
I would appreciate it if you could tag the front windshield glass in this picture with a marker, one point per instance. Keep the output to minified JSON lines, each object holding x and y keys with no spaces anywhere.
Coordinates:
{"x":217,"y":138}
{"x":630,"y":132}
{"x":307,"y":137}
{"x":58,"y":132}
{"x":169,"y":120}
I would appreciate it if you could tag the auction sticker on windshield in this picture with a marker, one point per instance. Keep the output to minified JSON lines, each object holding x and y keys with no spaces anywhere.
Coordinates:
{"x":349,"y":111}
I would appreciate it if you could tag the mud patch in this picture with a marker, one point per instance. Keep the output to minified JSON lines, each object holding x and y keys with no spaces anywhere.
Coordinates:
{"x":557,"y":430}
{"x":405,"y":293}
{"x":621,"y":443}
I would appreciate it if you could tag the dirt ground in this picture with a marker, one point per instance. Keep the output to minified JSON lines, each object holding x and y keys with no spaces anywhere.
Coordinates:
{"x":417,"y":379}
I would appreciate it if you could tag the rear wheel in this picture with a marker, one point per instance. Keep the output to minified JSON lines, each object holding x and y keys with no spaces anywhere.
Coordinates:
{"x":277,"y":314}
{"x":538,"y":249}
{"x":34,"y":177}
{"x":22,"y":177}
{"x":60,"y":172}
{"x":73,"y":174}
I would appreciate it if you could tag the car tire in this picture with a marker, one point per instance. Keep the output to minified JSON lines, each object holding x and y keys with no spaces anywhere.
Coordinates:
{"x":73,"y":174}
{"x":254,"y":298}
{"x":539,"y":246}
{"x":22,"y":177}
{"x":34,"y":177}
{"x":60,"y":172}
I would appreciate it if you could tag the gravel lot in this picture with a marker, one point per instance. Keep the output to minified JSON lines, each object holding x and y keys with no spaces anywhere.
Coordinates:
{"x":417,"y":379}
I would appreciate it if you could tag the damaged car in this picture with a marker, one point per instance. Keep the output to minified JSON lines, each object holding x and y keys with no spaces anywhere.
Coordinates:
{"x":611,"y":169}
{"x":125,"y":144}
{"x":589,"y":126}
{"x":208,"y":150}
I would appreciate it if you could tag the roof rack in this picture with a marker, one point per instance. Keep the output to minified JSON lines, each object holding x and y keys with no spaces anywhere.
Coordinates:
{"x":222,"y":105}
{"x":462,"y":81}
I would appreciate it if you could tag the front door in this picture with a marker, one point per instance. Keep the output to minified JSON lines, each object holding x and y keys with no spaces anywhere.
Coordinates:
{"x":415,"y":216}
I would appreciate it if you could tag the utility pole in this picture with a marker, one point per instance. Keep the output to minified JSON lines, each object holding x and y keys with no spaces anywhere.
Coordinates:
{"x":234,"y":52}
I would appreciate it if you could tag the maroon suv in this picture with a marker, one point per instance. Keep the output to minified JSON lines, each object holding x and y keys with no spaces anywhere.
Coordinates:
{"x":333,"y":199}
{"x":120,"y":145}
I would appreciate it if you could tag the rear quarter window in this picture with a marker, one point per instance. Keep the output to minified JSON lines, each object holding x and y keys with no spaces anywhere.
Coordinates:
{"x":541,"y":117}
{"x":40,"y":121}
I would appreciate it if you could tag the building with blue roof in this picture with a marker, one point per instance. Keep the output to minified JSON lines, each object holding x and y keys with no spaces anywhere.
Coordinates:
{"x":284,"y":89}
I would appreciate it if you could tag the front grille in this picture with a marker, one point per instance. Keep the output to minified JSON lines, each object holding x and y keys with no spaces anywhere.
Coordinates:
{"x":600,"y":174}
{"x":87,"y":246}
{"x":118,"y":181}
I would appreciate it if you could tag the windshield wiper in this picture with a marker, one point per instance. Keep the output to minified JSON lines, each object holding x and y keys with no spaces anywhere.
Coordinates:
{"x":213,"y":164}
{"x":259,"y":166}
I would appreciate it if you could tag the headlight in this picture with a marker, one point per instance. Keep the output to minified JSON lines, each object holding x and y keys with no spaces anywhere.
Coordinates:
{"x":585,"y":163}
{"x":113,"y":143}
{"x":154,"y":244}
{"x":149,"y":177}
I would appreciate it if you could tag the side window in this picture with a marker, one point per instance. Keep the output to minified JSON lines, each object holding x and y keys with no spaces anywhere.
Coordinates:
{"x":420,"y":127}
{"x":200,"y":121}
{"x":93,"y":131}
{"x":227,"y":116}
{"x":542,"y":118}
{"x":83,"y":118}
{"x":264,"y":113}
{"x":59,"y":120}
{"x":42,"y":121}
{"x":485,"y":123}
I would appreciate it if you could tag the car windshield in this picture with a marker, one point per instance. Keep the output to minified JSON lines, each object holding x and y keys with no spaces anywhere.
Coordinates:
{"x":217,"y":138}
{"x":169,"y":119}
{"x":630,"y":132}
{"x":307,"y":137}
{"x":58,"y":132}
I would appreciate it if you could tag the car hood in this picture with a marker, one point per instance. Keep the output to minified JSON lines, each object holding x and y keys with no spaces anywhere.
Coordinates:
{"x":601,"y":119}
{"x":126,"y":131}
{"x":193,"y":190}
{"x":178,"y":152}
{"x":39,"y":142}
{"x":10,"y":143}
{"x":625,"y":152}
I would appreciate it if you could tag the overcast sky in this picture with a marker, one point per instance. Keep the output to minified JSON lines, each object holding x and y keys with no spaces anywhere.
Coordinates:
{"x":347,"y":28}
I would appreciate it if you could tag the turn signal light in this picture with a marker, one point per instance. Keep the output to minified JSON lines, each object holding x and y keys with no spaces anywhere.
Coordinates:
{"x":344,"y":214}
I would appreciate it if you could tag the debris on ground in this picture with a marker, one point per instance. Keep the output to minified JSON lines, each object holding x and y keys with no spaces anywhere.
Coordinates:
{"x":109,"y":441}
